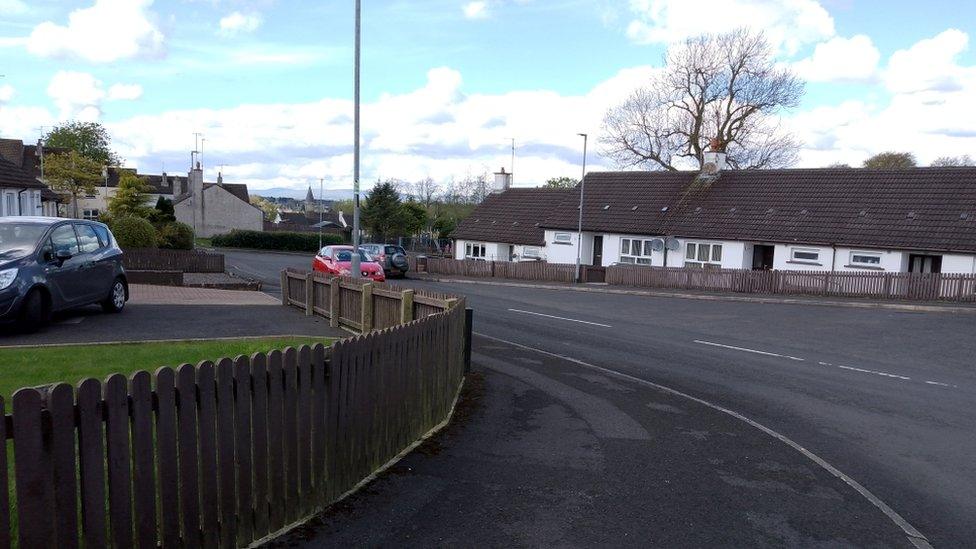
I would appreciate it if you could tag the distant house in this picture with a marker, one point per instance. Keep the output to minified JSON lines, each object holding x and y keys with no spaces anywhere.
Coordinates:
{"x":215,"y":208}
{"x":21,"y":189}
{"x":164,"y":185}
{"x":909,"y":220}
{"x":314,"y":217}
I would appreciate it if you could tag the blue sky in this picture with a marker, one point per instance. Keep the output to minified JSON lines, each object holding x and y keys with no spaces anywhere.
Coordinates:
{"x":445,"y":82}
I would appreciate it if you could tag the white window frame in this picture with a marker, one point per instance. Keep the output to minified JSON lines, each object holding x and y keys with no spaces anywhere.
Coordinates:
{"x":712,"y":256}
{"x":562,"y":238}
{"x":871,"y":264}
{"x":636,"y":251}
{"x":475,"y":250}
{"x":91,"y":214}
{"x":795,"y":259}
{"x":532,"y":252}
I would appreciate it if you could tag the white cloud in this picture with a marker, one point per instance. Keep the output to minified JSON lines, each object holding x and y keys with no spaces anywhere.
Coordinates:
{"x":789,"y":24}
{"x":76,"y":94}
{"x":12,"y":7}
{"x":108,"y":31}
{"x":6,"y":93}
{"x":124,"y":92}
{"x":929,"y":65}
{"x":238,"y":22}
{"x":841,"y":59}
{"x":476,"y":10}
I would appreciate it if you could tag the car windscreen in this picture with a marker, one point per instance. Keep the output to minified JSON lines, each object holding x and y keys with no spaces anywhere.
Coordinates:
{"x":346,"y":255}
{"x":19,"y":239}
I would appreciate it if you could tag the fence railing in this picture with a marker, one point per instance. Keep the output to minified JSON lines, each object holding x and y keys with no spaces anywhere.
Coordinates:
{"x":227,"y":452}
{"x":523,"y":270}
{"x":187,"y":261}
{"x":358,"y":304}
{"x":908,"y":286}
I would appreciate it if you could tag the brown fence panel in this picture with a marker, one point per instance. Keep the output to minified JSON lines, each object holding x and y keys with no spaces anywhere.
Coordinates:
{"x":187,"y":261}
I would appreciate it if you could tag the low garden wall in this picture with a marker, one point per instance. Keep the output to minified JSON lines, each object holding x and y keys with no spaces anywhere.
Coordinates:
{"x":231,"y":451}
{"x":187,"y":261}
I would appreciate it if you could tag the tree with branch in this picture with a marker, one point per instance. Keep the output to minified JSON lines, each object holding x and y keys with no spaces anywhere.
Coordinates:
{"x":72,"y":174}
{"x":726,"y":87}
{"x":890,"y":160}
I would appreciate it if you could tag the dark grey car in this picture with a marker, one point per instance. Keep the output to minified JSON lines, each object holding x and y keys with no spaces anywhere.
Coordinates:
{"x":392,"y":258}
{"x":50,"y":264}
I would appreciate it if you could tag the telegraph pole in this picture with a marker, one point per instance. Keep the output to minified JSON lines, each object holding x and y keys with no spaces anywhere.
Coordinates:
{"x":355,"y":267}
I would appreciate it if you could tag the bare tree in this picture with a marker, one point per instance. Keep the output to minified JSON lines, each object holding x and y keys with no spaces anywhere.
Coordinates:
{"x":950,"y":161}
{"x":726,"y":87}
{"x":425,"y":191}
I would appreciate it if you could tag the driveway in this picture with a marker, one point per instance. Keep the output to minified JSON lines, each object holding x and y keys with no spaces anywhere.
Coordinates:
{"x":165,"y":312}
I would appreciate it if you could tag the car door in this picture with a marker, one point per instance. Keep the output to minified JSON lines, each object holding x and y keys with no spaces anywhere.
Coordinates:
{"x":65,"y":277}
{"x":96,"y":271}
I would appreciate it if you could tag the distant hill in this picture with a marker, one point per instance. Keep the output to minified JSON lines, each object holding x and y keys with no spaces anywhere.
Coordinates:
{"x":299,"y":194}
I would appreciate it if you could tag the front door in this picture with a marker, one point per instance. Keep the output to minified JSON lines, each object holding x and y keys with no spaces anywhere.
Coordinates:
{"x":598,"y":251}
{"x":920,"y":263}
{"x":762,"y":257}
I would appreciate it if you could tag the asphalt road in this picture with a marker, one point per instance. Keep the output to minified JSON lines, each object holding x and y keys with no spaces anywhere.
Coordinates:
{"x":884,"y":396}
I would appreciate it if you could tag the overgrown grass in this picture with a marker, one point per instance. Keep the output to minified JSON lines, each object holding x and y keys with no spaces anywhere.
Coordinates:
{"x":29,"y":367}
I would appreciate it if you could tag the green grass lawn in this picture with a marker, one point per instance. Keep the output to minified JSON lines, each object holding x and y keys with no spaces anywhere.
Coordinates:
{"x":205,"y":242}
{"x":28,"y":367}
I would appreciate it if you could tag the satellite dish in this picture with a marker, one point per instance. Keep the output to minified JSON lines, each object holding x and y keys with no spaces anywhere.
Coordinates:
{"x":657,"y":245}
{"x":672,"y":244}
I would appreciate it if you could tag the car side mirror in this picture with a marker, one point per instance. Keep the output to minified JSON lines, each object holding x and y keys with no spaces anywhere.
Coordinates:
{"x":62,"y":255}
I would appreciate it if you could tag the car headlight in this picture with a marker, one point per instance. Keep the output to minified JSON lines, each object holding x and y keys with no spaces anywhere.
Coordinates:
{"x":7,"y":278}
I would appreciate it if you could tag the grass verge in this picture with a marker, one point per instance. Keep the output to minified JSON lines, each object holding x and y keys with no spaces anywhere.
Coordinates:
{"x":32,"y":366}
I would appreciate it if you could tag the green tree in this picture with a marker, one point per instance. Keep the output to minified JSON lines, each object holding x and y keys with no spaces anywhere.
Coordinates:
{"x":89,"y":139}
{"x":164,"y":212}
{"x":411,"y":219}
{"x":381,"y":212}
{"x":890,"y":160}
{"x":71,"y":174}
{"x":130,"y":197}
{"x":269,"y":208}
{"x":562,"y":183}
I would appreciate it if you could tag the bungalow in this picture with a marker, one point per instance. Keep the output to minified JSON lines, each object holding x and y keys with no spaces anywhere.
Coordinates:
{"x":22,"y":192}
{"x":833,"y":219}
{"x":215,"y":208}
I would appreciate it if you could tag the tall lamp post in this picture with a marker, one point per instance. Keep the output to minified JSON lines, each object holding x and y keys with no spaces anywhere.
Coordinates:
{"x":321,"y":180}
{"x":579,"y":225}
{"x":355,"y":267}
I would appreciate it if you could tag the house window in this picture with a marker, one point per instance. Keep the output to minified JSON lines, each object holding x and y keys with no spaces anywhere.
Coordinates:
{"x":865,"y":259}
{"x":801,"y":255}
{"x":90,"y":214}
{"x":699,"y":254}
{"x":474,"y":251}
{"x":563,"y":238}
{"x":531,"y":252}
{"x":635,"y":251}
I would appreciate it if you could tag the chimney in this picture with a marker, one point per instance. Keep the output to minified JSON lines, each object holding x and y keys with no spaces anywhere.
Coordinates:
{"x":220,"y":178}
{"x":503,"y":181}
{"x":713,"y":161}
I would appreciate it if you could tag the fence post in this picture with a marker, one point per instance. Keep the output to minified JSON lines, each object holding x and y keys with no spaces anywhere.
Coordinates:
{"x":468,"y":322}
{"x":334,"y":302}
{"x":367,"y":307}
{"x":309,"y":292}
{"x":406,"y":306}
{"x":284,"y":287}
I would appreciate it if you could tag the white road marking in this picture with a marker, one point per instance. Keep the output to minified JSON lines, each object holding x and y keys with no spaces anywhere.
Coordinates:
{"x":734,"y":348}
{"x":864,"y":371}
{"x":915,"y":537}
{"x":561,"y":318}
{"x":940,"y":384}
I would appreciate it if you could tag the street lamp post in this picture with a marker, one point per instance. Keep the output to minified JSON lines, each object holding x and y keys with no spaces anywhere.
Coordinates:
{"x":579,"y":225}
{"x":355,"y":267}
{"x":321,"y":180}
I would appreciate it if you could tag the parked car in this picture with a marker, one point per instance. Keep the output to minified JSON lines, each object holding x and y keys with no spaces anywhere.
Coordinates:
{"x":337,"y":260}
{"x":50,"y":264}
{"x":392,"y":258}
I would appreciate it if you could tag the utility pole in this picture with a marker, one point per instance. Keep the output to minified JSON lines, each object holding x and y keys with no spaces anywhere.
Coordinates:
{"x":355,"y":266}
{"x":579,"y":226}
{"x":321,"y":181}
{"x":512,"y":165}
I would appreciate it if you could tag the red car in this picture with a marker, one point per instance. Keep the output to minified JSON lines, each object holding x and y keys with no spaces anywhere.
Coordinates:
{"x":337,"y":260}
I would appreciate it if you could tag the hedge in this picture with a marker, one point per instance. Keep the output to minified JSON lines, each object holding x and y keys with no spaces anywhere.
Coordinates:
{"x":176,"y":236}
{"x":134,"y":232}
{"x":284,"y":241}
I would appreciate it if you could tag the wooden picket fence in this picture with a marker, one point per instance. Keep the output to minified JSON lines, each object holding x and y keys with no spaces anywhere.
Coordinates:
{"x":187,"y":261}
{"x":521,"y":270}
{"x":226,"y":452}
{"x":907,"y":286}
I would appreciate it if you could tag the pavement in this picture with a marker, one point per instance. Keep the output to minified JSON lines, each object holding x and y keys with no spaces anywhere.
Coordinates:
{"x":169,"y":312}
{"x":883,"y":396}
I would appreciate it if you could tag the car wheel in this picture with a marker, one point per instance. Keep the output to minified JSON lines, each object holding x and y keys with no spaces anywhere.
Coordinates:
{"x":33,"y":313}
{"x":115,"y":301}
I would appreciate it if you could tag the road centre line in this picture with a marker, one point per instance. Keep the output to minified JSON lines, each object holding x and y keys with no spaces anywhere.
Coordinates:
{"x":734,"y":348}
{"x":864,"y":371}
{"x":915,"y":537}
{"x":561,"y":318}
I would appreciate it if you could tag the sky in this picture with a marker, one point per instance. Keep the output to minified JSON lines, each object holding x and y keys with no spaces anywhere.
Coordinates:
{"x":446,"y":84}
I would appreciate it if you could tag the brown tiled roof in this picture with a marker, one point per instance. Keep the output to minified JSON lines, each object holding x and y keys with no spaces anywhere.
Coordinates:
{"x":513,"y":216}
{"x":918,"y":208}
{"x":237,"y":189}
{"x":11,"y":176}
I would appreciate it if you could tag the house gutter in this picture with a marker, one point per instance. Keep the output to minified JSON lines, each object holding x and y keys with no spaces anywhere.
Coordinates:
{"x":833,"y":256}
{"x":20,"y":203}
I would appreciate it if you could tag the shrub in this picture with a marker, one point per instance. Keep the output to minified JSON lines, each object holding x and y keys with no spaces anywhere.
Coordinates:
{"x":176,"y":236}
{"x":134,"y":232}
{"x":284,"y":241}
